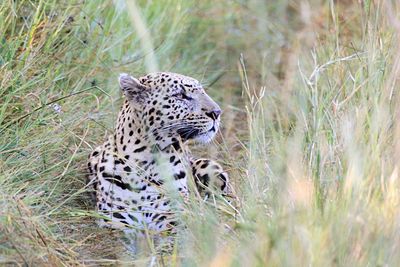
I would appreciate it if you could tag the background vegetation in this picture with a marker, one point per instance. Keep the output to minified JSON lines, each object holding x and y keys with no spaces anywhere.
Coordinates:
{"x":310,"y":131}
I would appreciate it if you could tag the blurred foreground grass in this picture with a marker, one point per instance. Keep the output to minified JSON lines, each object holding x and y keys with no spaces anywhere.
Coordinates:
{"x":310,"y":130}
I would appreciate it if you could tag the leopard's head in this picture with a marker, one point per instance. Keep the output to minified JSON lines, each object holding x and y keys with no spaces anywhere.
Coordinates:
{"x":171,"y":106}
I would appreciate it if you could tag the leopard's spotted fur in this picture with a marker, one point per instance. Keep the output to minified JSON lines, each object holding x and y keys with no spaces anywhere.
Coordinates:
{"x":146,"y":159}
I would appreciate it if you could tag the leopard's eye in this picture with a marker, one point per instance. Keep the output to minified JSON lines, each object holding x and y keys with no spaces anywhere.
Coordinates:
{"x":182,"y":95}
{"x":186,"y":97}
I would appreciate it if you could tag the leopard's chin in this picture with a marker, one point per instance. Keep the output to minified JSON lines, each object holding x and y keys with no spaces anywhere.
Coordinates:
{"x":206,"y":137}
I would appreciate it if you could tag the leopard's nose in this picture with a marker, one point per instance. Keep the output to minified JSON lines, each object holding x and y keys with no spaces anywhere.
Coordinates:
{"x":214,"y":114}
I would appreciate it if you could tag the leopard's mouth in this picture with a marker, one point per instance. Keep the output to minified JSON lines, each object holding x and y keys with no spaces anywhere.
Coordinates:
{"x":214,"y":128}
{"x":206,"y":137}
{"x":202,"y":136}
{"x":188,"y":133}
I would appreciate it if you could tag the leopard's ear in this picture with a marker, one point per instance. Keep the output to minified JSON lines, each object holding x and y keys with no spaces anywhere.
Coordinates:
{"x":132,"y":88}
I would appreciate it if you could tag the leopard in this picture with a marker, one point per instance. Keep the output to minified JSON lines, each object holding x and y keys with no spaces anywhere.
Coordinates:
{"x":146,"y":164}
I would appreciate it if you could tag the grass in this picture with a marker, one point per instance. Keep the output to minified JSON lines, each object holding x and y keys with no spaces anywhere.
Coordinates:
{"x":310,"y":132}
